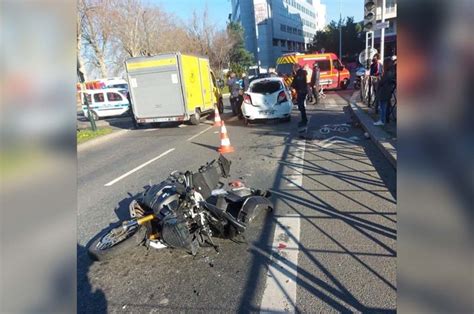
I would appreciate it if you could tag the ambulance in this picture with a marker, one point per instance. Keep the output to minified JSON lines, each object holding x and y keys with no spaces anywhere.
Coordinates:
{"x":333,"y":75}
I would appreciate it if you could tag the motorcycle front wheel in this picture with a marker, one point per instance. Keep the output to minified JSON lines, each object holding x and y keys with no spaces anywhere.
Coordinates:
{"x":115,"y":241}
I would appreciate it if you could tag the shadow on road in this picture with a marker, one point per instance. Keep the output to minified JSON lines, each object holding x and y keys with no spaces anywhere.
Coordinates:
{"x":330,"y":289}
{"x":89,"y":300}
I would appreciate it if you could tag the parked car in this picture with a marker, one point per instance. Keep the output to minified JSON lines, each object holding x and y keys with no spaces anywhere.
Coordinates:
{"x":267,"y":98}
{"x":108,"y":102}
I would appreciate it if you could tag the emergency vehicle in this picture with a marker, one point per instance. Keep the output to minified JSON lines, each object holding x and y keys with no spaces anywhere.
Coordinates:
{"x":333,"y":75}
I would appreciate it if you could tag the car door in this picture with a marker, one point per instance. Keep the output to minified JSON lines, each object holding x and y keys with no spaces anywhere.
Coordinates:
{"x":99,"y":105}
{"x":117,"y":103}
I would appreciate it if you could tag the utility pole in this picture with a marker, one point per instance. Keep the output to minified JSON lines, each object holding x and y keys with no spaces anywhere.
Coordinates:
{"x":382,"y":34}
{"x":340,"y":31}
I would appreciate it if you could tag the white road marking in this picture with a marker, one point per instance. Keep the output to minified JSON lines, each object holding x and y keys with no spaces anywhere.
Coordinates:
{"x":280,"y":288}
{"x":182,"y":126}
{"x":335,"y":140}
{"x":194,"y":136}
{"x":296,"y":151}
{"x":149,"y":130}
{"x":139,"y":167}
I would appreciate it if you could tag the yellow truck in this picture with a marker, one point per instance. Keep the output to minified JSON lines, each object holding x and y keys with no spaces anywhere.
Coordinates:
{"x":171,"y":87}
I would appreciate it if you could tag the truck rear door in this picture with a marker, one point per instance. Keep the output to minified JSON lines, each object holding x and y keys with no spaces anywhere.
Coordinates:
{"x":155,"y":86}
{"x":206,"y":84}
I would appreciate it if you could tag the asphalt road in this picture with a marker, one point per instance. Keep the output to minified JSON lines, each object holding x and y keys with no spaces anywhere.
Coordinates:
{"x":329,"y":246}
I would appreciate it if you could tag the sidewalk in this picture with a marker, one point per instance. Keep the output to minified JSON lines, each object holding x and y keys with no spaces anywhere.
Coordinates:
{"x":384,"y":137}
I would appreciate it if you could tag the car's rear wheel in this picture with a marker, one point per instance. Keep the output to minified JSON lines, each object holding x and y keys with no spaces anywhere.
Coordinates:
{"x":95,"y":116}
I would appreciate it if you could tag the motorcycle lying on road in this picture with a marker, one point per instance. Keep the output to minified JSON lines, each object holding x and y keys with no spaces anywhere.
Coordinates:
{"x":185,"y":211}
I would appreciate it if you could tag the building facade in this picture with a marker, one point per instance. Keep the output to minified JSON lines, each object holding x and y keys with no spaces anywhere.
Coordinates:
{"x":274,"y":27}
{"x":390,"y":15}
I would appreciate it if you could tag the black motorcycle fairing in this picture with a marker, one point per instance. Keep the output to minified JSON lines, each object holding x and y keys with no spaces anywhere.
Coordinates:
{"x":219,"y":213}
{"x":160,"y":195}
{"x":253,"y":206}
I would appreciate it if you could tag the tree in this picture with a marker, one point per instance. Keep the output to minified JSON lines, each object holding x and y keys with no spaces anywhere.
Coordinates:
{"x":96,"y":31}
{"x":240,"y":59}
{"x":328,"y":38}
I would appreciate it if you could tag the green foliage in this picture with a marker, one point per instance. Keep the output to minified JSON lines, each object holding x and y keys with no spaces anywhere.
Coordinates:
{"x":352,"y":39}
{"x":86,"y":135}
{"x":240,"y":59}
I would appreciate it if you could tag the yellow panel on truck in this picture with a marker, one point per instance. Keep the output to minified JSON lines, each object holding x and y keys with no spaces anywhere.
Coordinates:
{"x":170,"y":87}
{"x":206,"y":84}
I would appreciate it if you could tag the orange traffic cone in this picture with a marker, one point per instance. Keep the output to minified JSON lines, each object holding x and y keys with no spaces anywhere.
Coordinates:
{"x":217,"y":118}
{"x":225,"y":142}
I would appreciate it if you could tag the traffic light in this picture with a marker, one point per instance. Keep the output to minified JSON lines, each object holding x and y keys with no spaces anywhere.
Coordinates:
{"x":369,"y":15}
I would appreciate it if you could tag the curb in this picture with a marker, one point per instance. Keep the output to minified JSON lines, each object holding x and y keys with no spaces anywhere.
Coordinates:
{"x":380,"y":138}
{"x":100,"y":140}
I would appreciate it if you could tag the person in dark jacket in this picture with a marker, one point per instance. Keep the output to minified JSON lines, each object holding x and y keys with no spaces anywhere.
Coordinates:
{"x":299,"y":84}
{"x":315,"y":81}
{"x":384,"y":91}
{"x":234,"y":88}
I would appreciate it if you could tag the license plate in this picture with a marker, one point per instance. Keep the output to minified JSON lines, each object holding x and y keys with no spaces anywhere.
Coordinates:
{"x":267,"y":112}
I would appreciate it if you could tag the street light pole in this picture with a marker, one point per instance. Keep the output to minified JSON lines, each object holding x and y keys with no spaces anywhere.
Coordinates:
{"x":382,"y":34}
{"x":340,"y":31}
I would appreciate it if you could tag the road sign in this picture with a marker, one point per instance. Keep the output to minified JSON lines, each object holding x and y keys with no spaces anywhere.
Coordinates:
{"x":382,"y":25}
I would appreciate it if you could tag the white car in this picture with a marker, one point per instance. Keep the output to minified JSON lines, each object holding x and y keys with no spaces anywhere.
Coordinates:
{"x":267,"y":98}
{"x":107,"y":102}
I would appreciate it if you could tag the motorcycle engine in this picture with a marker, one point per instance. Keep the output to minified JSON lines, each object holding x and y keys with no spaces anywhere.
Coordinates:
{"x":175,"y":232}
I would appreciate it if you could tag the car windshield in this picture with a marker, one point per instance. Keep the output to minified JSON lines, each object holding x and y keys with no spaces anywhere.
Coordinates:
{"x":265,"y":87}
{"x":119,"y":86}
{"x":285,"y":68}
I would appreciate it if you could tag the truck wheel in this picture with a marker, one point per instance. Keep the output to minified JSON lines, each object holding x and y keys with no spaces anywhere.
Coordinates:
{"x":220,"y":106}
{"x":196,"y":118}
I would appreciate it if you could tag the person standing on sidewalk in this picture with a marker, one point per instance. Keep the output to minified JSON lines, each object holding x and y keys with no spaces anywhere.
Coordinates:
{"x":234,"y":89}
{"x":384,"y":91}
{"x":300,"y":85}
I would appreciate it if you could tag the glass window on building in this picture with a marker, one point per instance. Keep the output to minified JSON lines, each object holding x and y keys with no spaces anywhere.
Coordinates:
{"x":283,"y":28}
{"x":275,"y":42}
{"x":282,"y":43}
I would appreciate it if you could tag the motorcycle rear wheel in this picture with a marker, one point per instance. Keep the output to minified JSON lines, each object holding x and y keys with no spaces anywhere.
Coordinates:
{"x":115,"y":241}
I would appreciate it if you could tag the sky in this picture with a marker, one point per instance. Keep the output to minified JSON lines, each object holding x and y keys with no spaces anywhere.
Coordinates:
{"x":353,"y":8}
{"x":220,"y":9}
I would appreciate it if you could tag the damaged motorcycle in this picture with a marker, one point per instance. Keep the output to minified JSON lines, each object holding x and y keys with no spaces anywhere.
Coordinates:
{"x":185,"y":211}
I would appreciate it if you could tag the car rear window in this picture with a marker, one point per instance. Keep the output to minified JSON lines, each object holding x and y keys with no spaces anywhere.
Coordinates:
{"x":265,"y":87}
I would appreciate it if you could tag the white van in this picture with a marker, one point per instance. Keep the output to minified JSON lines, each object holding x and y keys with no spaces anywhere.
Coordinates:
{"x":108,"y":102}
